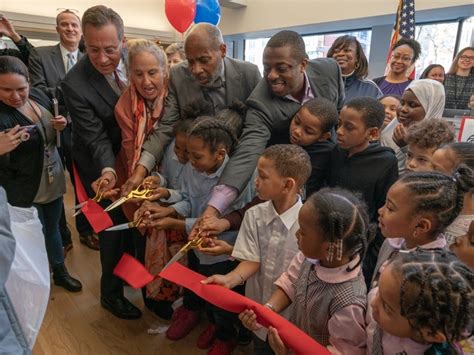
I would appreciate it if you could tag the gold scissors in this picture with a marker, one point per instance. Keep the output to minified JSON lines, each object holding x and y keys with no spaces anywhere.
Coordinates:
{"x":97,"y":198}
{"x":133,"y":224}
{"x":140,"y":192}
{"x":192,"y":244}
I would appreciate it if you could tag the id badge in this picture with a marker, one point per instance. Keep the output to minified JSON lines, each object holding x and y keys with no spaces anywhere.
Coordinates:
{"x":50,"y":174}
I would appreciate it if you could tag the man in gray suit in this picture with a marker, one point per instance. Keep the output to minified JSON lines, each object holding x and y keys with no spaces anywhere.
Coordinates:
{"x":289,"y":81}
{"x":206,"y":75}
{"x":48,"y":67}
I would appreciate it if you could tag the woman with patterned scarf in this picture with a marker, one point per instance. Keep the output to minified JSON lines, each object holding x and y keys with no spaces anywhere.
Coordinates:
{"x":138,"y":111}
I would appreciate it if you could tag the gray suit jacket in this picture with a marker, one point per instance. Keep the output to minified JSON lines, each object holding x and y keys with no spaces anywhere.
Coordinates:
{"x":46,"y":69}
{"x":240,"y":79}
{"x":268,"y":119}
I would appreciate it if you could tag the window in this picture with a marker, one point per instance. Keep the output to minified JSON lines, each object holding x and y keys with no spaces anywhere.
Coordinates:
{"x":254,"y":51}
{"x":317,"y":46}
{"x":438,"y":43}
{"x":467,"y":33}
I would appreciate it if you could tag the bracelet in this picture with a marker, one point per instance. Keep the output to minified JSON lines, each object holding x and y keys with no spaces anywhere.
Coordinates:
{"x":270,"y":306}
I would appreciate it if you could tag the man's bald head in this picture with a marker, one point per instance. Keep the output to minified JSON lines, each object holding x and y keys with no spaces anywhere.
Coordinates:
{"x":205,"y":33}
{"x":205,"y":51}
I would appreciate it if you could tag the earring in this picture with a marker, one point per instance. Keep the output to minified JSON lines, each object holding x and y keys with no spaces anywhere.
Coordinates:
{"x":415,"y":233}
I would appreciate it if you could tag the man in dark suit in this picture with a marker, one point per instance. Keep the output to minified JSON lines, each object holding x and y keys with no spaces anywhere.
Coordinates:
{"x":206,"y":75}
{"x":289,"y":81}
{"x":91,"y":90}
{"x":48,"y":67}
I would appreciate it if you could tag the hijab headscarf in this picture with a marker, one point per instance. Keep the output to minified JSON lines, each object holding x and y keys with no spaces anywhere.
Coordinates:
{"x":431,"y":95}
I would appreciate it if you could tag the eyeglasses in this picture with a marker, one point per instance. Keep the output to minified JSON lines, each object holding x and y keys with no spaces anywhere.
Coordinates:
{"x":63,"y":9}
{"x":465,"y":57}
{"x":404,"y":59}
{"x":109,"y":51}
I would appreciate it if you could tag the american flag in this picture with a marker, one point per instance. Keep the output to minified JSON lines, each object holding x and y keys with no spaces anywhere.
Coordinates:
{"x":404,"y":27}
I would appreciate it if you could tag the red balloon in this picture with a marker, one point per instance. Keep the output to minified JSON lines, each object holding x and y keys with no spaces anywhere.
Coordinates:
{"x":180,"y":13}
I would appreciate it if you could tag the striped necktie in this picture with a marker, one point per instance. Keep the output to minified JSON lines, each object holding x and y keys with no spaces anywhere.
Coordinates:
{"x":70,"y":61}
{"x":121,"y":85}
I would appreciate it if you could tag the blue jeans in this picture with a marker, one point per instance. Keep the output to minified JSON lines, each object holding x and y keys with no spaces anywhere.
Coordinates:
{"x":49,"y":214}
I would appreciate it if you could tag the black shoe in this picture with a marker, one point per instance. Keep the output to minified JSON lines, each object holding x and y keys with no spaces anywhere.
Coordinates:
{"x":62,"y":278}
{"x":121,"y":308}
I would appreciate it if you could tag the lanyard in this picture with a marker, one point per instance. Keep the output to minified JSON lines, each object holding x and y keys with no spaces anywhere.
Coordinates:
{"x":43,"y":128}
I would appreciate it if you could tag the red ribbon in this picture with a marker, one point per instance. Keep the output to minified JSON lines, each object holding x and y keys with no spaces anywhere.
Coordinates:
{"x":136,"y":275}
{"x":97,"y":217}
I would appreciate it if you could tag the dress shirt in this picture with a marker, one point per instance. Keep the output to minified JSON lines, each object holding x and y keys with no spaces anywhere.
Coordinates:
{"x":268,"y":238}
{"x":64,"y":53}
{"x":308,"y":92}
{"x":122,"y":74}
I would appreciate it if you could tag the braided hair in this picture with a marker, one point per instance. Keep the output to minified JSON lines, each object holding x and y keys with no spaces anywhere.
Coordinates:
{"x":436,"y":291}
{"x":438,"y":194}
{"x":214,"y":132}
{"x":343,"y":217}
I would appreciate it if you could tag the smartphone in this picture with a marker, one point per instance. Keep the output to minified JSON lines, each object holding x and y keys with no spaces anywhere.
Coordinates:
{"x":28,"y":130}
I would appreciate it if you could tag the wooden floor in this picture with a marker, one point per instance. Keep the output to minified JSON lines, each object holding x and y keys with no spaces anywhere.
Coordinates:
{"x":75,"y":323}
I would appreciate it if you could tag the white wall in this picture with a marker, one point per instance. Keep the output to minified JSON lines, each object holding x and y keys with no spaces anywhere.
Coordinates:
{"x":145,"y":14}
{"x":260,"y":15}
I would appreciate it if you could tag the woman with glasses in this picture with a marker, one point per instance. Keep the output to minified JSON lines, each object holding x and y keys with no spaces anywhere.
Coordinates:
{"x":349,"y":54}
{"x":459,"y":81}
{"x":32,"y":173}
{"x":404,"y":55}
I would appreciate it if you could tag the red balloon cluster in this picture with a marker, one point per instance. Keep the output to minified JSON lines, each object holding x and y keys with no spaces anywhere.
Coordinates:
{"x":180,"y":13}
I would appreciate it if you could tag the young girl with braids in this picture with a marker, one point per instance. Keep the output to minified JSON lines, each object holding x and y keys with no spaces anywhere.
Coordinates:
{"x":324,"y":281}
{"x":419,"y":206}
{"x":423,"y":304}
{"x":446,"y":159}
{"x":209,"y":142}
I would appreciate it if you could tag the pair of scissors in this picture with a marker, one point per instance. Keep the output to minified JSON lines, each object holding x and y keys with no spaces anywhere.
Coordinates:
{"x":96,"y":198}
{"x":133,"y":224}
{"x":140,"y":192}
{"x":192,"y":244}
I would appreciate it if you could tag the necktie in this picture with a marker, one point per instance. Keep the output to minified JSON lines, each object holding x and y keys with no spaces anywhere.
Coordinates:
{"x":70,"y":61}
{"x":121,"y":85}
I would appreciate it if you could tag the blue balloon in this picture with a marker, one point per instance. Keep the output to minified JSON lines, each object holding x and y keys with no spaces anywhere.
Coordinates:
{"x":208,"y":11}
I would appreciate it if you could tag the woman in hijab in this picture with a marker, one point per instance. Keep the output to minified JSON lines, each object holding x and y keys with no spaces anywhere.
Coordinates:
{"x":422,"y":99}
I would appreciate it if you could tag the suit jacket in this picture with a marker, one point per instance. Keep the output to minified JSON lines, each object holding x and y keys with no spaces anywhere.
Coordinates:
{"x":240,"y":79}
{"x":268,"y":119}
{"x":96,"y":136}
{"x":46,"y":69}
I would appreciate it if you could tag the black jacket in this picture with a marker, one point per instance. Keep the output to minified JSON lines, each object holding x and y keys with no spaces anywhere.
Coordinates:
{"x":370,"y":172}
{"x":320,"y":155}
{"x":21,"y":169}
